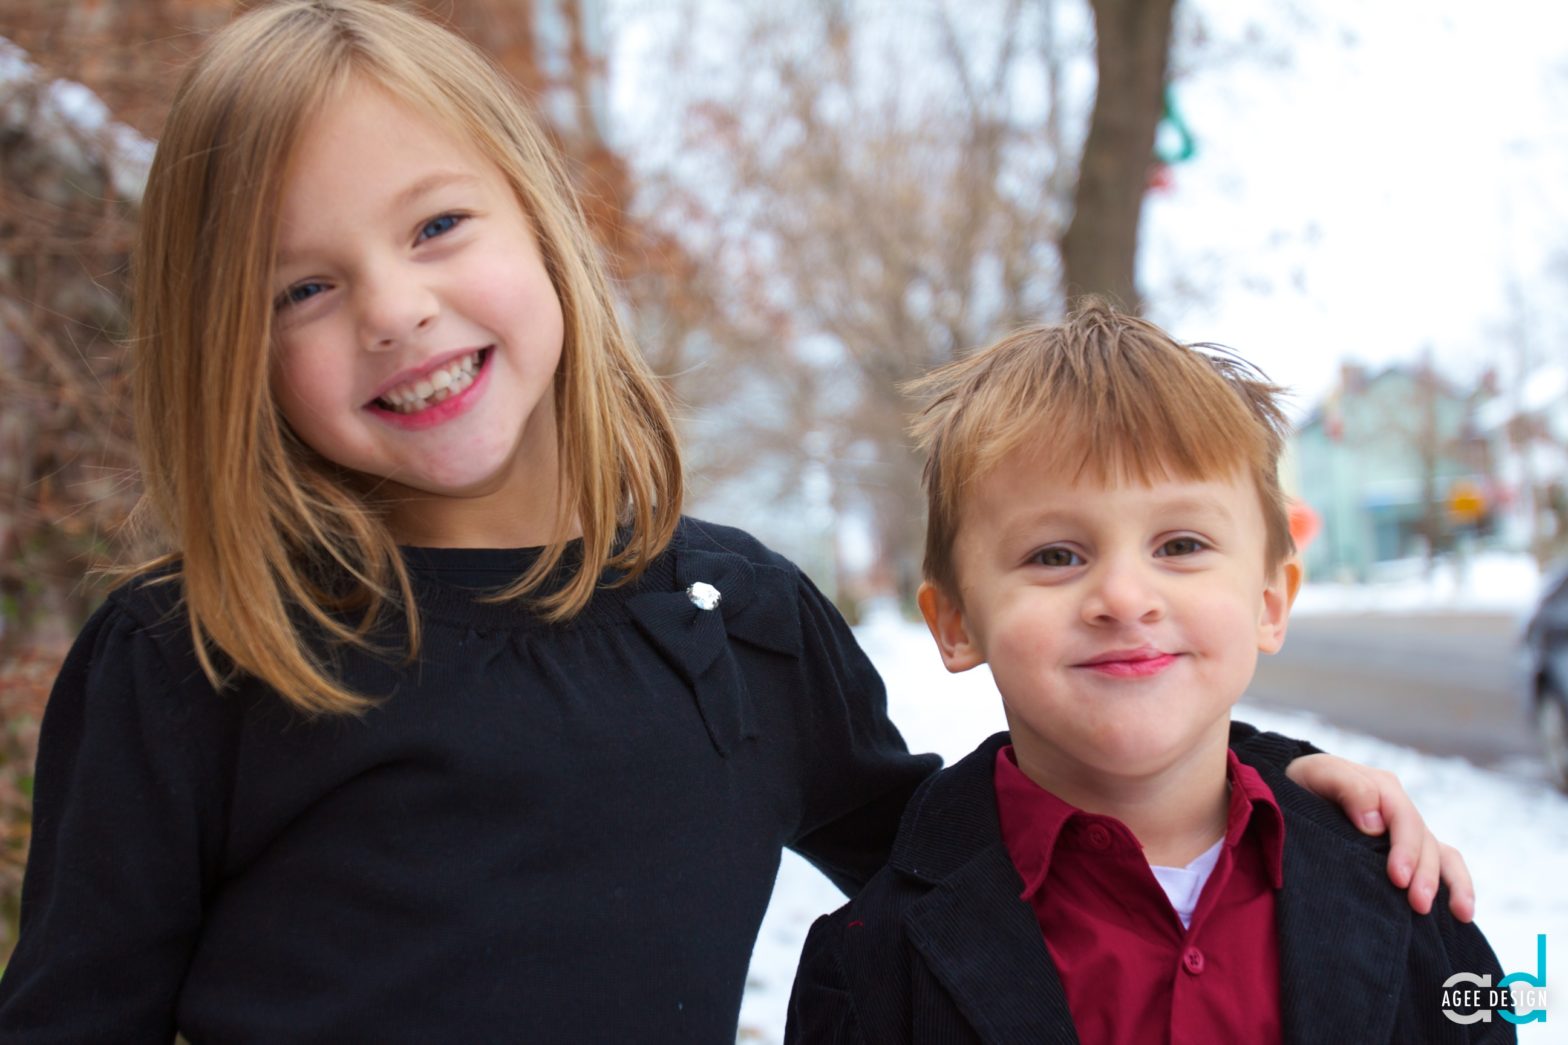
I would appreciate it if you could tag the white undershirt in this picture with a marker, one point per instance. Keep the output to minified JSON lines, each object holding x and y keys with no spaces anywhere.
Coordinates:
{"x":1183,"y":885}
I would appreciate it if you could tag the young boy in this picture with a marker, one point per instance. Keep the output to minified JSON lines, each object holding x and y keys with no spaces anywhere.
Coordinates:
{"x":1108,"y":533}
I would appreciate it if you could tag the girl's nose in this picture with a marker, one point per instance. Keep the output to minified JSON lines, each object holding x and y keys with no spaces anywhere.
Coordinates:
{"x":394,"y":308}
{"x":1122,"y":593}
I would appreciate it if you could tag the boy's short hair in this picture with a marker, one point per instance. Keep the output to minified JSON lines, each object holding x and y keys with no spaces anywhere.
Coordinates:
{"x":1111,"y":398}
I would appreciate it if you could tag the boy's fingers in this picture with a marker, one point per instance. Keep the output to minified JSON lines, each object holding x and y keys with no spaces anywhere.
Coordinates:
{"x":1461,"y":890}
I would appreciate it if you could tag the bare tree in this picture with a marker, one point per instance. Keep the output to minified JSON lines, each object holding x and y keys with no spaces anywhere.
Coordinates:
{"x":886,"y":205}
{"x":1100,"y":250}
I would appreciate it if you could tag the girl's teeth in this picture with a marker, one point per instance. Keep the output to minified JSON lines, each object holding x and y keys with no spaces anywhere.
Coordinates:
{"x":432,"y":388}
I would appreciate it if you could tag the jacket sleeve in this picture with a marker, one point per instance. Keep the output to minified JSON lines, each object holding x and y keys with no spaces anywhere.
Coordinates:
{"x":857,"y":773}
{"x":821,"y":1011}
{"x":123,"y":813}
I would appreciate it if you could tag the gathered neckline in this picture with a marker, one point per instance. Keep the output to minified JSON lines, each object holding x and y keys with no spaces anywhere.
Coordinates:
{"x":451,"y":584}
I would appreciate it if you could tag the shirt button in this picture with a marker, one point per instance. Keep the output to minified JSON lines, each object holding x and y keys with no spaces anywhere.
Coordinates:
{"x":1192,"y":960}
{"x":1099,"y":837}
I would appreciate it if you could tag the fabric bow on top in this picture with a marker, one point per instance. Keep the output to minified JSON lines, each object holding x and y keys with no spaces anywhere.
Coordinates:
{"x":756,"y":604}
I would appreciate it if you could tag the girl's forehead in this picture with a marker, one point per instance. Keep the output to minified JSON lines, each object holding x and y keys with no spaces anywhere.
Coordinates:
{"x":367,"y":131}
{"x":361,"y":109}
{"x":368,"y":160}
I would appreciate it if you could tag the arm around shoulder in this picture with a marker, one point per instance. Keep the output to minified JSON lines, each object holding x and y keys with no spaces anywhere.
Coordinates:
{"x":856,"y":770}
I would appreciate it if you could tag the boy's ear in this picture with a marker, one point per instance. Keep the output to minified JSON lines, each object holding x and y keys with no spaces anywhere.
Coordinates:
{"x":945,"y":617}
{"x":1278,"y":597}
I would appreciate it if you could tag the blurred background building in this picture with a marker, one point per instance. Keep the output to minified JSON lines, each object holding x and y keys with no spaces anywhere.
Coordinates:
{"x":1394,"y":466}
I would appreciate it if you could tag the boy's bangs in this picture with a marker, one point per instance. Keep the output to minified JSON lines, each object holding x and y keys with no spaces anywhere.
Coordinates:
{"x":1142,"y":439}
{"x":1103,"y":397}
{"x":1136,"y":414}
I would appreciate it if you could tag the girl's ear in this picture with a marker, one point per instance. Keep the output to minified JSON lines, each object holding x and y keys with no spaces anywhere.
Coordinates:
{"x":945,"y":617}
{"x":1277,"y":600}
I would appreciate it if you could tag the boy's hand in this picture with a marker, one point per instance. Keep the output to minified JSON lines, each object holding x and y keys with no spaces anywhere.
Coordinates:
{"x":1373,"y":797}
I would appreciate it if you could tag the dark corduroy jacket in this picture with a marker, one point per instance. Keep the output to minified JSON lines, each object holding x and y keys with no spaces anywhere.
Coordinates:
{"x":939,"y":947}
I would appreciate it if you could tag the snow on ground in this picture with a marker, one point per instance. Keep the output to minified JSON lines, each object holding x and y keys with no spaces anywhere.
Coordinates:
{"x":1488,"y":582}
{"x":1512,"y":827}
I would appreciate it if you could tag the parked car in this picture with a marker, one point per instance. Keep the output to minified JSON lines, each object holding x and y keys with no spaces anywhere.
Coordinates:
{"x":1543,"y":663}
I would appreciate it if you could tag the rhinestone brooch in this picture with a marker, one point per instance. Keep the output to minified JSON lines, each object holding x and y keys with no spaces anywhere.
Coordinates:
{"x":703,"y":595}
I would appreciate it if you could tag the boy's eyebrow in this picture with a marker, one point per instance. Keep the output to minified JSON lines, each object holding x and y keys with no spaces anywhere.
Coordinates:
{"x":1196,"y":505}
{"x":1022,"y":526}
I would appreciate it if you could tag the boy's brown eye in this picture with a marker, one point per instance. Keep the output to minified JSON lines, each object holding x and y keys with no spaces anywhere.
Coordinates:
{"x":1181,"y":546}
{"x":1057,"y":557}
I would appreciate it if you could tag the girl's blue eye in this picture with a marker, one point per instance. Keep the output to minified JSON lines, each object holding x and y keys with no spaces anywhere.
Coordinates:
{"x":1178,"y":546}
{"x":439,"y":226}
{"x":299,"y":292}
{"x":1057,"y":557}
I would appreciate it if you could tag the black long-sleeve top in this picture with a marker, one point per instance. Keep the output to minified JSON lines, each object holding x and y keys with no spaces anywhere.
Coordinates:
{"x":542,"y":832}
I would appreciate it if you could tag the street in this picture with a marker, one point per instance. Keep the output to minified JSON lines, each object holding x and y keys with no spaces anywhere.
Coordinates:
{"x":1442,"y":684}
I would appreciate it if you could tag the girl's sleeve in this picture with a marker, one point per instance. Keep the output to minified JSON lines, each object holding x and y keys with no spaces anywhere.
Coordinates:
{"x":857,"y":772}
{"x":124,"y":819}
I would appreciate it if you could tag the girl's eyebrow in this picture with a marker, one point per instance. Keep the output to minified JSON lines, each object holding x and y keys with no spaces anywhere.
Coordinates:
{"x":428,"y":184}
{"x":406,"y":197}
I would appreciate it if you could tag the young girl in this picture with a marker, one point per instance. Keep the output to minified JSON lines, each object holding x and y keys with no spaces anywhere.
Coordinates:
{"x":438,"y":723}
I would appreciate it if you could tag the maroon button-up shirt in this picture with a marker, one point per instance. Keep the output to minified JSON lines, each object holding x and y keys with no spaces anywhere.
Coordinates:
{"x":1132,"y":974}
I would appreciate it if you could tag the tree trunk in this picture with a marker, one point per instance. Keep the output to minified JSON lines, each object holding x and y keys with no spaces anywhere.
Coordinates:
{"x":1100,"y":250}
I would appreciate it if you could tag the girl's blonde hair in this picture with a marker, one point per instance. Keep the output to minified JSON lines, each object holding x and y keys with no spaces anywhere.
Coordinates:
{"x":275,"y":545}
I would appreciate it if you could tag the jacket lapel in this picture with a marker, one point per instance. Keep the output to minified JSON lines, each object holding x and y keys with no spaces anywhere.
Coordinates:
{"x":978,"y":939}
{"x":1001,"y":978}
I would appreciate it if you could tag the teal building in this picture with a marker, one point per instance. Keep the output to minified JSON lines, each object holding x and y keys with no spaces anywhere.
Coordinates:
{"x":1384,"y":459}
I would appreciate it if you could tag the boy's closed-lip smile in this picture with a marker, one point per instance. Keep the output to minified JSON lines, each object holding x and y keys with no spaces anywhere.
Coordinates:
{"x":1130,"y":663}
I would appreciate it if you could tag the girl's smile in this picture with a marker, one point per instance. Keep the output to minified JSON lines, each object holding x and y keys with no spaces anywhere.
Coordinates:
{"x":418,"y":390}
{"x":435,"y":395}
{"x":417,"y":329}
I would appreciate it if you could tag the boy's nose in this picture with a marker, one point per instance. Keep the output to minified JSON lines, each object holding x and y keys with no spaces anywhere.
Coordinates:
{"x":1122,"y":593}
{"x":394,"y":307}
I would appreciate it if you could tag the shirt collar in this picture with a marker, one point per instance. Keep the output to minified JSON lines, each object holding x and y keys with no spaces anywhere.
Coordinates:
{"x":1032,"y":819}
